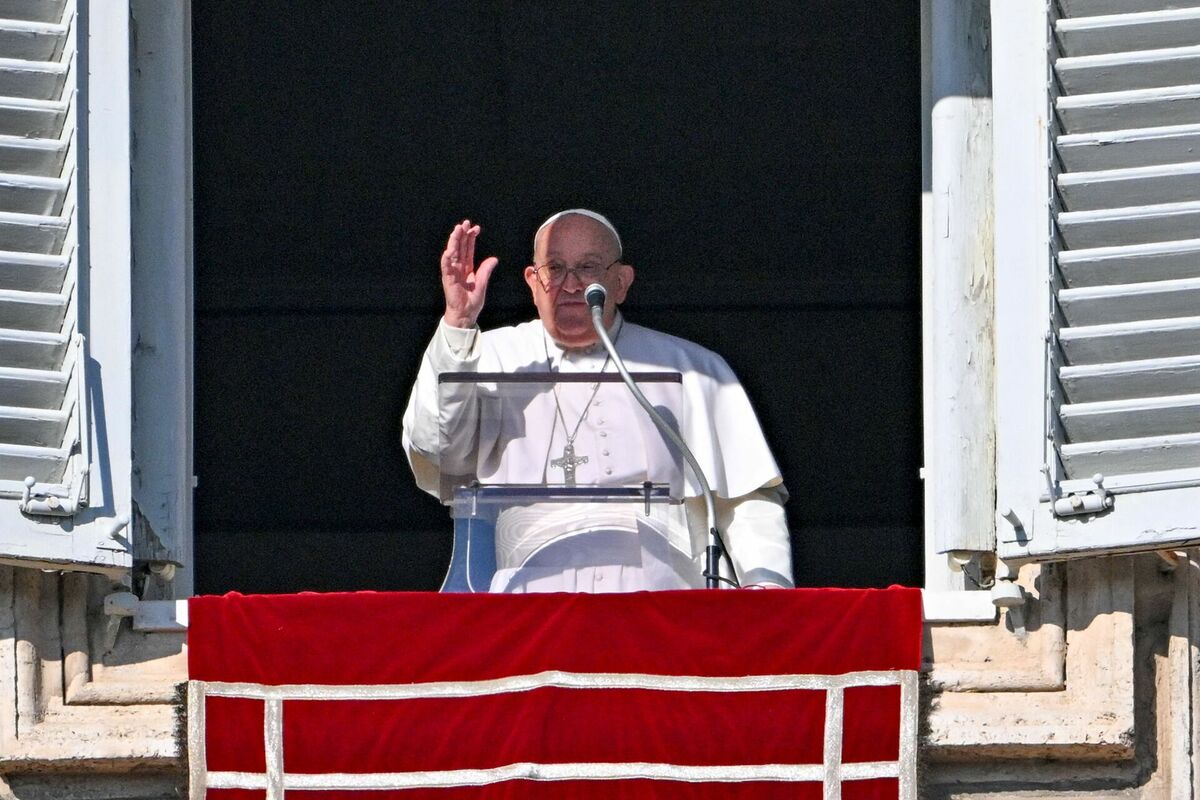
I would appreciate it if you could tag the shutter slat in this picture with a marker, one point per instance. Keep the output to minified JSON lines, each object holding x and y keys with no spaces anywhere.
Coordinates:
{"x":1116,"y":188}
{"x":1123,"y":456}
{"x":1139,"y":417}
{"x":45,"y":464}
{"x":1093,"y":8}
{"x":1098,"y":305}
{"x":1139,"y":147}
{"x":33,"y":311}
{"x":1131,"y":341}
{"x":1132,"y":225}
{"x":33,"y":272}
{"x":32,"y":232}
{"x":32,"y":41}
{"x":1126,"y":263}
{"x":1155,"y":377}
{"x":32,"y":194}
{"x":33,"y":10}
{"x":32,"y":349}
{"x":34,"y":80}
{"x":33,"y":427}
{"x":33,"y":388}
{"x":1138,"y":108}
{"x":1117,"y":33}
{"x":1111,"y":72}
{"x":32,"y":156}
{"x":42,"y":119}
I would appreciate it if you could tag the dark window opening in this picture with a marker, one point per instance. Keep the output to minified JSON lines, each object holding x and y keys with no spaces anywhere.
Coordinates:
{"x":762,"y":161}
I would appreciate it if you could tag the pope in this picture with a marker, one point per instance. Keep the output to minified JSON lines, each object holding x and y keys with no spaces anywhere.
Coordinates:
{"x":599,"y":431}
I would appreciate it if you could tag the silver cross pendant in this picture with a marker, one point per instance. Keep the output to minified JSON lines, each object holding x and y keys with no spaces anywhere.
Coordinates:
{"x":568,"y":462}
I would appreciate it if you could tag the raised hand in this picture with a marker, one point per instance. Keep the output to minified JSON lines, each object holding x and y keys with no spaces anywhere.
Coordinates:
{"x":465,"y":286}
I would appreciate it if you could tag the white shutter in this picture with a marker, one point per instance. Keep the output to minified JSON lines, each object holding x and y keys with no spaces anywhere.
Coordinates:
{"x":42,"y":388}
{"x":1121,"y":385}
{"x":1128,"y":217}
{"x":60,"y":506}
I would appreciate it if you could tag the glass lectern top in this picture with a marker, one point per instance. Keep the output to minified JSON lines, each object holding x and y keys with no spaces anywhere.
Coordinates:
{"x":556,"y":429}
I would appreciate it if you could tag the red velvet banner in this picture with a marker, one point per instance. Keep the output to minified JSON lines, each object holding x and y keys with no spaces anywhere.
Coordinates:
{"x":376,"y":639}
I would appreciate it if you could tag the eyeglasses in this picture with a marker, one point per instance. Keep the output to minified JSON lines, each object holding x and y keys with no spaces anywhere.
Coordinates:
{"x":554,"y":274}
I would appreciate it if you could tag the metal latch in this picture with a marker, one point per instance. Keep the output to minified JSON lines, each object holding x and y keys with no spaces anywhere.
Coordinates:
{"x":53,"y":505}
{"x":1091,"y":501}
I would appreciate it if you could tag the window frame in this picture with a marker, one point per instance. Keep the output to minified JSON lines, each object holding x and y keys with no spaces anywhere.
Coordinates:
{"x":946,"y":597}
{"x":162,"y":286}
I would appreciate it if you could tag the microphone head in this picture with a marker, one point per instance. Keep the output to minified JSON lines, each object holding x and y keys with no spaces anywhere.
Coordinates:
{"x":595,"y":295}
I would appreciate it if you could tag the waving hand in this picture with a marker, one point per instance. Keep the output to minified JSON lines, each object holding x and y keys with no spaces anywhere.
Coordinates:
{"x":465,"y":285}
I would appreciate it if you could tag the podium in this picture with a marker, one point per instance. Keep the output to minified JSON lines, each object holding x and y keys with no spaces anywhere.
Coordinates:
{"x":537,"y":467}
{"x":473,"y":693}
{"x":802,"y":693}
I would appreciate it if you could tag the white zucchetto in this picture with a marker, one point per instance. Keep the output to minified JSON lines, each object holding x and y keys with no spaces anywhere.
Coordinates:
{"x":583,"y":212}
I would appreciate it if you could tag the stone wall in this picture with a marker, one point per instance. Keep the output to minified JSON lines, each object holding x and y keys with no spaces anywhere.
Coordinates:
{"x":1086,"y":691}
{"x":88,"y":707}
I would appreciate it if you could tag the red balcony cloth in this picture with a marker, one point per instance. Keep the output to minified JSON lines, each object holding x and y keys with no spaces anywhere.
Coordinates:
{"x":413,"y":638}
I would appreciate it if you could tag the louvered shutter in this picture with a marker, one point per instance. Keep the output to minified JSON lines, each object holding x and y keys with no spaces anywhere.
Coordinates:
{"x":41,"y":369}
{"x":1121,"y":380}
{"x":46,"y":396}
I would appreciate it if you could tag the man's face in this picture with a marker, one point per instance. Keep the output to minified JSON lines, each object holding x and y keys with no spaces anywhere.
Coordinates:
{"x":575,"y":241}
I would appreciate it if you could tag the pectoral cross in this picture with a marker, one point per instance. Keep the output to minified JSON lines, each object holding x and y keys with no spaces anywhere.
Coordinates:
{"x":568,"y":462}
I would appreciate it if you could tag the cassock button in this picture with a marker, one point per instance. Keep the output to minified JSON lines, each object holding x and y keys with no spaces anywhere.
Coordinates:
{"x":604,"y":452}
{"x":603,"y":434}
{"x":607,"y":470}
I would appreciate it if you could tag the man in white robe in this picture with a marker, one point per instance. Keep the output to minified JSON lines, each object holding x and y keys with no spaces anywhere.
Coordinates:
{"x":594,"y":548}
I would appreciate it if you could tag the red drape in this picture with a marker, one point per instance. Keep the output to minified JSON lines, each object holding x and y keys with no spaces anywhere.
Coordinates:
{"x":412,"y":638}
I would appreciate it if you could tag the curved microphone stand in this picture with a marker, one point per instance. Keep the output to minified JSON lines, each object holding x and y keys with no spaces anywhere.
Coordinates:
{"x":595,"y":295}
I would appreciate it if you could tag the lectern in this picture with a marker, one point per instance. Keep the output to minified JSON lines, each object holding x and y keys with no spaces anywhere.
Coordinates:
{"x":537,"y":465}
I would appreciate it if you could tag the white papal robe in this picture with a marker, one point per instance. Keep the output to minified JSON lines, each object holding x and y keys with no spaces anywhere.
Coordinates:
{"x":590,"y":549}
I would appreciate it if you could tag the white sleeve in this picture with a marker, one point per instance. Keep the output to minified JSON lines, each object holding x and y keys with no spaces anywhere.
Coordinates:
{"x":755,"y":530}
{"x":450,"y":350}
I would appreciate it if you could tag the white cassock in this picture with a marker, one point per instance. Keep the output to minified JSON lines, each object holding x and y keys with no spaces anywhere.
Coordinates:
{"x":582,"y":548}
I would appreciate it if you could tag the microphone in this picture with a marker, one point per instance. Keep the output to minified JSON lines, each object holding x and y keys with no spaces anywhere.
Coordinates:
{"x":595,"y":294}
